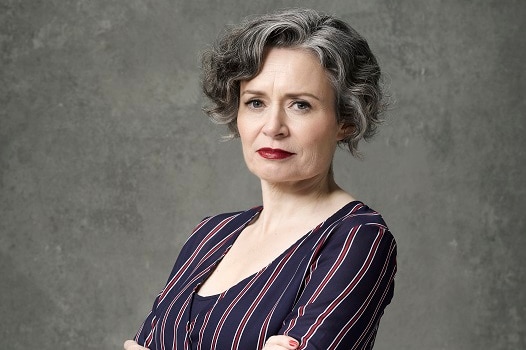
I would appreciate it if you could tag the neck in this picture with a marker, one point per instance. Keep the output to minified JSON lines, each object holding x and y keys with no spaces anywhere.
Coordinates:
{"x":284,"y":202}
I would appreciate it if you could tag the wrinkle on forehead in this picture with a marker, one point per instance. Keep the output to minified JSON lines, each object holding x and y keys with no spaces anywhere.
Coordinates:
{"x":293,"y":70}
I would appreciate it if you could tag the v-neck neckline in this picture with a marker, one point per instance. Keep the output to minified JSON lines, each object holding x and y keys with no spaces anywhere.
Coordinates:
{"x":254,"y":212}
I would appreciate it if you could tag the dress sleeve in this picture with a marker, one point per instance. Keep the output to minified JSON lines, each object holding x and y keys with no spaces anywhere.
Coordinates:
{"x":144,"y":335}
{"x":346,"y":290}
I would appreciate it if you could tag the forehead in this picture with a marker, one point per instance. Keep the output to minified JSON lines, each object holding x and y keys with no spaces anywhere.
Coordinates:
{"x":291,"y":68}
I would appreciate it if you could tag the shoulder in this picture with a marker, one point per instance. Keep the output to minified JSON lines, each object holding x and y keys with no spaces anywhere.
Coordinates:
{"x":361,"y":226}
{"x":217,"y":221}
{"x":221,"y":224}
{"x":357,"y":213}
{"x":359,"y":239}
{"x":213,"y":229}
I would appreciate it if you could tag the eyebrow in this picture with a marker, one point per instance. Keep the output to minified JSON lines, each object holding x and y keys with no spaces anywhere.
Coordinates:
{"x":289,"y":95}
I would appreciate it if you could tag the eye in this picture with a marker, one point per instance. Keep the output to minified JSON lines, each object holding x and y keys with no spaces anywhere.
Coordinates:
{"x":254,"y":104}
{"x":302,"y":105}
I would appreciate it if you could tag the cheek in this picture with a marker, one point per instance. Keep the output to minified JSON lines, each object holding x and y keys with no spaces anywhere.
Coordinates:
{"x":244,"y":128}
{"x":247,"y":141}
{"x":320,"y":136}
{"x":241,"y":130}
{"x":321,"y":148}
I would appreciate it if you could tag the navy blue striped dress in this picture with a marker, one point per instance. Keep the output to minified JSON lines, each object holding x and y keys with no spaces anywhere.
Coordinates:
{"x":328,"y":290}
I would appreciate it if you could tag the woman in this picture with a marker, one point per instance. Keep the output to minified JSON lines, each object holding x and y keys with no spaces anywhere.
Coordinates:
{"x":312,"y":268}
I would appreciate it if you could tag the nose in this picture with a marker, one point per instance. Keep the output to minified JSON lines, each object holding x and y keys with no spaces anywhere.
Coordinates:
{"x":275,"y":123}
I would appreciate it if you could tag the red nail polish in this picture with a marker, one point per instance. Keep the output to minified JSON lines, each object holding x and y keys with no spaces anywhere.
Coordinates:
{"x":293,"y":343}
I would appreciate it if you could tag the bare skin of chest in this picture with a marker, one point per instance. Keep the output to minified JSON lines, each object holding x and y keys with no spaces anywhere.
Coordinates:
{"x":250,"y":253}
{"x":258,"y":245}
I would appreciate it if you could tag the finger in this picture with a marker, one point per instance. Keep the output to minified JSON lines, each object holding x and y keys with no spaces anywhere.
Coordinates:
{"x":274,"y":347}
{"x":283,"y":341}
{"x":132,"y":345}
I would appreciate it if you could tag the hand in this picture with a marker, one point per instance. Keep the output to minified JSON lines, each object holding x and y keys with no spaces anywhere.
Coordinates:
{"x":132,"y":345}
{"x":280,"y":342}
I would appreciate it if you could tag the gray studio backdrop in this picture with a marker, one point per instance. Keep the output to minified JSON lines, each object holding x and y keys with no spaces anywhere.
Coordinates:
{"x":107,"y":163}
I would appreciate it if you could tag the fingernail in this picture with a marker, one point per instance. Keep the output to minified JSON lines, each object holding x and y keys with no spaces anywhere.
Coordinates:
{"x":293,"y":343}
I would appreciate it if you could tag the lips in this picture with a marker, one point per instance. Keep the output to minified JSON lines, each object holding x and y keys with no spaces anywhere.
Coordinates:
{"x":274,"y":153}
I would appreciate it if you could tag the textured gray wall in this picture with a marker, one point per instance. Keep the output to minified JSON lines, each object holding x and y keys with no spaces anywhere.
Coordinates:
{"x":106,"y":164}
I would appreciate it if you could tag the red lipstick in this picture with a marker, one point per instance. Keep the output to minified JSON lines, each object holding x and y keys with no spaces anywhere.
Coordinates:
{"x":274,"y":153}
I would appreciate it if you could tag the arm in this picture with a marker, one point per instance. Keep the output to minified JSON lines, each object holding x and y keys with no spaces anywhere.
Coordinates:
{"x":144,"y":335}
{"x":347,"y":288}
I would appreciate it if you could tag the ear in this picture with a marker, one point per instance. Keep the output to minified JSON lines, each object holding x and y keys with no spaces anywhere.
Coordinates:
{"x":344,"y":131}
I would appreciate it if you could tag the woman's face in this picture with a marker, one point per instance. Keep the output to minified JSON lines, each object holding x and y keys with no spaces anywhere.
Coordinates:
{"x":286,"y":118}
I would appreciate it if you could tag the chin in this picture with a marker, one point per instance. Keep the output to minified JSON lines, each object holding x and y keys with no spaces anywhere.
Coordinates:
{"x":274,"y":177}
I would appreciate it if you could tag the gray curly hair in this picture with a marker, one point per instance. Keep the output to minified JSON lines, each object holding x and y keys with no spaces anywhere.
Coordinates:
{"x":351,"y":66}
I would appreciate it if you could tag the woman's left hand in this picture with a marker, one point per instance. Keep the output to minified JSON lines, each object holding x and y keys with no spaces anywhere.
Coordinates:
{"x":132,"y":345}
{"x":280,"y":342}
